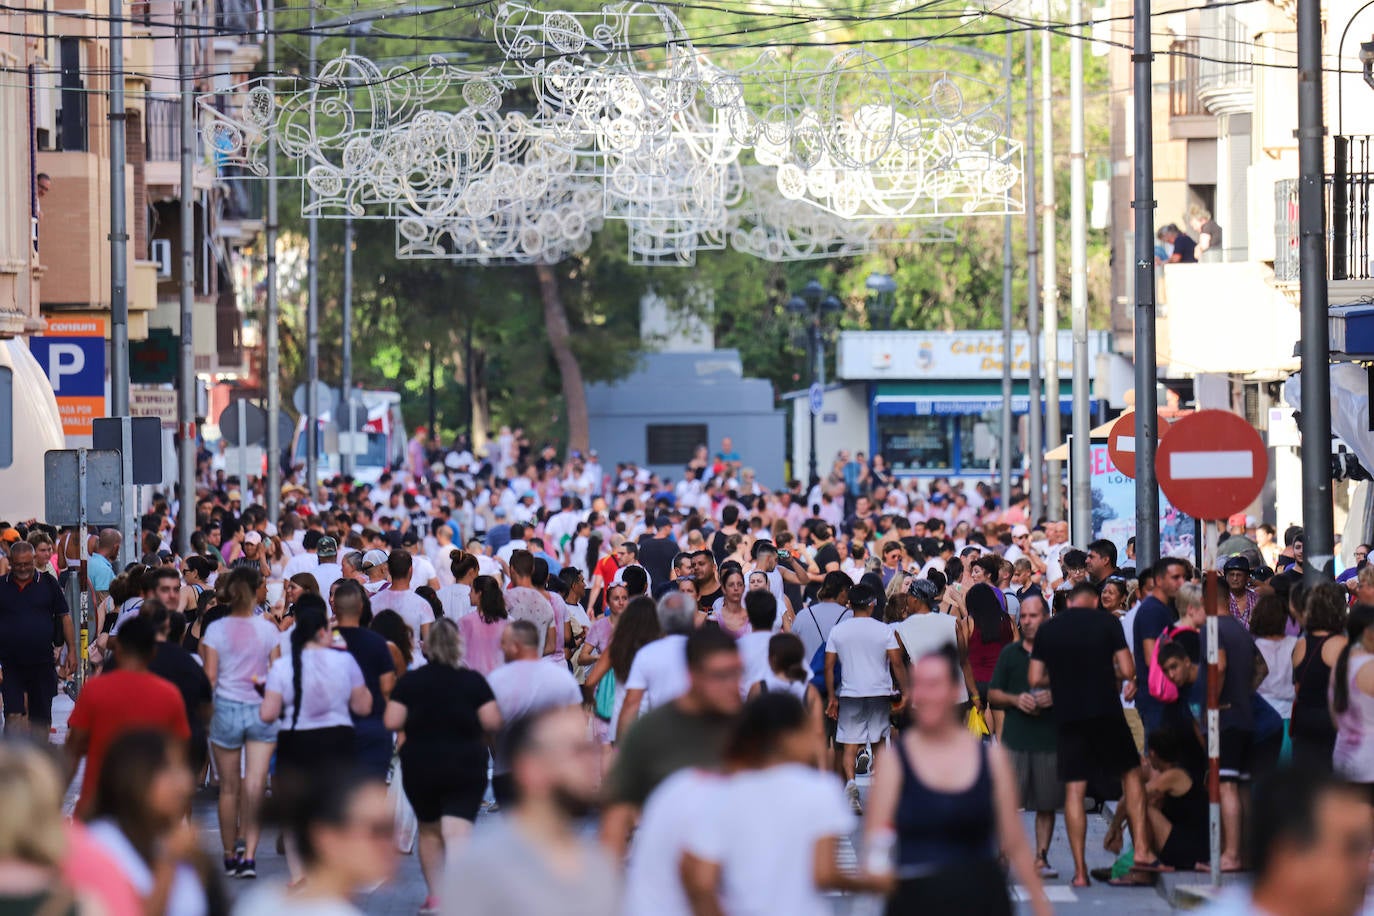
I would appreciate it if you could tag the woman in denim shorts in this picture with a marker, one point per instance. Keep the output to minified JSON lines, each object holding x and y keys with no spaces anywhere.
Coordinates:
{"x":236,"y":650}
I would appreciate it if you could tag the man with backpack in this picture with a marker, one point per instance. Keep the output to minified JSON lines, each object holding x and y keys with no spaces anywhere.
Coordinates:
{"x":1154,"y":616}
{"x":860,"y":657}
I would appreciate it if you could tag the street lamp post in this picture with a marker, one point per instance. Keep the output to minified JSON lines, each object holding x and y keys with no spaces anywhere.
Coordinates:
{"x":812,"y":306}
{"x":882,"y":300}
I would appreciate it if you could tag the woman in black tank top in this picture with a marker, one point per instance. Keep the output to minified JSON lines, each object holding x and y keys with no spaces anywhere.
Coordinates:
{"x":945,"y":805}
{"x":1311,"y":729}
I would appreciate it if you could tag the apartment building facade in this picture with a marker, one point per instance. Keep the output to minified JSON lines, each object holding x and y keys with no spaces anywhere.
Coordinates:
{"x":1224,"y":103}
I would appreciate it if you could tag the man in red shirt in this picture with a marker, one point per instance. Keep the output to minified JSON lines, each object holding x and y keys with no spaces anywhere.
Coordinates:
{"x":127,"y":699}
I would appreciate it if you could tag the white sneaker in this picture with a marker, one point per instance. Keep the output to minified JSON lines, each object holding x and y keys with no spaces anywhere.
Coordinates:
{"x":851,"y":792}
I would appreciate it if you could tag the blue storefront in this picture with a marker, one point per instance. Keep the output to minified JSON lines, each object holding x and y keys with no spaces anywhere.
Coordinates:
{"x":934,"y":399}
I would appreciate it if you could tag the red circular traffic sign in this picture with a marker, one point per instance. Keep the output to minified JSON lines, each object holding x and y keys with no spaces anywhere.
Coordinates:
{"x":1212,"y":465}
{"x":1121,"y":441}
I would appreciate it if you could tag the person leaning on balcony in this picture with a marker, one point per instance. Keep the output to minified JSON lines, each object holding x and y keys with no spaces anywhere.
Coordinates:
{"x":1185,"y":249}
{"x":1208,"y":232}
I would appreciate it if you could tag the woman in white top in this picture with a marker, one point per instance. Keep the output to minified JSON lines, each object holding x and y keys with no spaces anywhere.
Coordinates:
{"x":140,"y":821}
{"x":788,"y":674}
{"x":1352,"y":702}
{"x":766,"y":841}
{"x":1267,"y":623}
{"x":456,"y":599}
{"x":236,"y":650}
{"x":342,"y":825}
{"x":313,"y":691}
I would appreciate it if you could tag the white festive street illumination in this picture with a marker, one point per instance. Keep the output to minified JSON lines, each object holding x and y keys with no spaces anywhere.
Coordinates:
{"x":614,"y":115}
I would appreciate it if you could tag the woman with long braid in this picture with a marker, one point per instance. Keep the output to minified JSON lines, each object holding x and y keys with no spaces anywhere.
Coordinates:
{"x":313,"y":692}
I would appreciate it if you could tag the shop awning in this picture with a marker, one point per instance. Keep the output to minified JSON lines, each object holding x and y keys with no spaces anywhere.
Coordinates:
{"x":1061,"y":452}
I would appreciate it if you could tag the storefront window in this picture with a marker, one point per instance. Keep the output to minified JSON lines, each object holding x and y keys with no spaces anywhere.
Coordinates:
{"x":979,"y":443}
{"x":917,"y":443}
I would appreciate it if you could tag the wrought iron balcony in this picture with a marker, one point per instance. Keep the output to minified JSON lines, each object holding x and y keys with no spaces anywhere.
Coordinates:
{"x":1346,"y":196}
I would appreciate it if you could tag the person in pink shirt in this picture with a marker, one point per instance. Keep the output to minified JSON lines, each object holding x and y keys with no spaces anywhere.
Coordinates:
{"x":482,"y":631}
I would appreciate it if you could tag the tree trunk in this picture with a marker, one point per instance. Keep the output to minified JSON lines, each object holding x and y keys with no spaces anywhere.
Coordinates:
{"x":470,"y":370}
{"x":556,"y":324}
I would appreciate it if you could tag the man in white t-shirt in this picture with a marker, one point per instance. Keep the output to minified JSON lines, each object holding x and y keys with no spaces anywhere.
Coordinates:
{"x":753,"y":647}
{"x":326,"y":569}
{"x":306,"y":559}
{"x":653,"y":883}
{"x":523,"y":601}
{"x":524,"y":685}
{"x":413,"y":609}
{"x":422,"y":569}
{"x":860,"y":698}
{"x":658,"y":675}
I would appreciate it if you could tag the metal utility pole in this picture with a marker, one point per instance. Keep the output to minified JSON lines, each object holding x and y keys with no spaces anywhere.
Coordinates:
{"x":186,"y":400}
{"x":119,"y":278}
{"x":273,"y":367}
{"x":1007,"y":353}
{"x":346,"y":348}
{"x":1035,"y":443}
{"x":1054,"y":474}
{"x":119,"y":221}
{"x":1146,"y":406}
{"x":312,"y":318}
{"x":1315,"y":344}
{"x":1080,"y":485}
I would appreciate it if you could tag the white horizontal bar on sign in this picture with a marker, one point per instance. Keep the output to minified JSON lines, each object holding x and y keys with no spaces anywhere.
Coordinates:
{"x":1125,"y":444}
{"x":1238,"y":465}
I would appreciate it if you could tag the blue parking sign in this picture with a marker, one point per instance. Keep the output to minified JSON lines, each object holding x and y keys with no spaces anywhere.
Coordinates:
{"x":75,"y":366}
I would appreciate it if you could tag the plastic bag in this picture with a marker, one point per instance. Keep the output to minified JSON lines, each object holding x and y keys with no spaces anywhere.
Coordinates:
{"x":406,"y":824}
{"x":976,"y":723}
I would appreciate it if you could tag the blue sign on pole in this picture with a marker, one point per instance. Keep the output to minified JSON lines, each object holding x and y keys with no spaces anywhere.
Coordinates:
{"x":75,"y":366}
{"x":817,"y":397}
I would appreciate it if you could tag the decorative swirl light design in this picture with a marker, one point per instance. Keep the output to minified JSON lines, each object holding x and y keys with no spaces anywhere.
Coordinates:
{"x":613,"y":115}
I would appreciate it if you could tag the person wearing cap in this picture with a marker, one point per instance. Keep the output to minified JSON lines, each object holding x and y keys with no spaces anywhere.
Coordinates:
{"x":1240,"y":597}
{"x":253,"y":555}
{"x":1236,"y":540}
{"x":327,"y":570}
{"x":373,"y":565}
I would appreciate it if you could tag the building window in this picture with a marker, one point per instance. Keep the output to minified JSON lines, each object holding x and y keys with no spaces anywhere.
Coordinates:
{"x":913,"y":444}
{"x":673,"y":443}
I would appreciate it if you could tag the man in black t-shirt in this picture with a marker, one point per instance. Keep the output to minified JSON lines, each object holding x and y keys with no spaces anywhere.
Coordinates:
{"x":1154,"y":616}
{"x":1082,"y":656}
{"x":708,"y":581}
{"x":656,"y":551}
{"x":31,"y":609}
{"x":372,"y":741}
{"x":827,"y":557}
{"x":729,"y":524}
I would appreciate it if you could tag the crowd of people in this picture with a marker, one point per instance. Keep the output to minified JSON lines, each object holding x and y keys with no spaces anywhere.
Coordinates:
{"x":715,"y":668}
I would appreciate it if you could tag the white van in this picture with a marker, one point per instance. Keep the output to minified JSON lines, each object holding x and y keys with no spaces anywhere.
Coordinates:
{"x":386,"y":439}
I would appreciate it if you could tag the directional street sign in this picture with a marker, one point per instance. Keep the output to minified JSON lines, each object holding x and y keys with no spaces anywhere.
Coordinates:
{"x":1212,"y":465}
{"x":1121,"y":441}
{"x":817,"y":398}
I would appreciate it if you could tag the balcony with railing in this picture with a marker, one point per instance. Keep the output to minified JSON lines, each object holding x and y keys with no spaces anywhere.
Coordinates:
{"x":1347,"y":195}
{"x":1226,"y":81}
{"x":1188,"y":117}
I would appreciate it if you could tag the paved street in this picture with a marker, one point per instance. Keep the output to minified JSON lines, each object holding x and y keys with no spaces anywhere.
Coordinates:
{"x":403,"y":896}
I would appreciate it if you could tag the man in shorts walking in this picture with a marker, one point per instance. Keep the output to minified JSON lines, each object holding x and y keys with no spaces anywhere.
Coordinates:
{"x":1028,"y":730}
{"x":860,"y":656}
{"x":1081,"y":655}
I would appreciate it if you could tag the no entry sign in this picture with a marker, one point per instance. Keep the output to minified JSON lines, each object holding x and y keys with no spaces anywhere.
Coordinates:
{"x":1121,"y":441}
{"x":1212,"y":465}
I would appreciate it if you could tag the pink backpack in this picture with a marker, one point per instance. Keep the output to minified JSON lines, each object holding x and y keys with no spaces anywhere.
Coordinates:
{"x":1161,"y":688}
